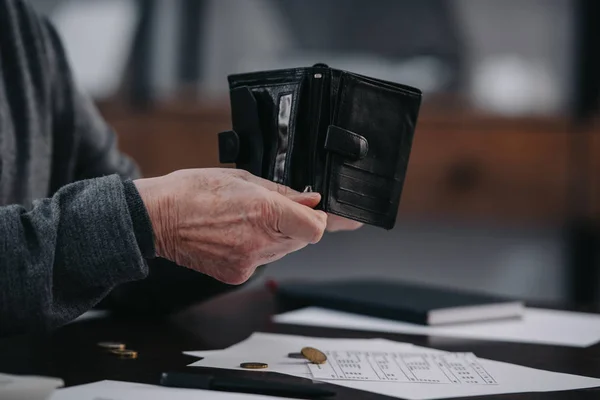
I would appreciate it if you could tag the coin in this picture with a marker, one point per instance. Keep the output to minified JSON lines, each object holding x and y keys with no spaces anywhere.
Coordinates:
{"x":125,"y":353}
{"x":112,"y":345}
{"x":313,"y":355}
{"x":254,"y":365}
{"x":296,"y":355}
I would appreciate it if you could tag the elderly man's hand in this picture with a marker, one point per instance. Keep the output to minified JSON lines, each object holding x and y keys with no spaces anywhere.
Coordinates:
{"x":226,"y":222}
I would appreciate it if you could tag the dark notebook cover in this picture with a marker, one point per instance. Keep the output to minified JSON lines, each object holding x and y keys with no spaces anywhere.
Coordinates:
{"x":400,"y":301}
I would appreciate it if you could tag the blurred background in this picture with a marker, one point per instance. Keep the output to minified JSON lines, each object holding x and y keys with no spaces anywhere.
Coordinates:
{"x":503,"y":186}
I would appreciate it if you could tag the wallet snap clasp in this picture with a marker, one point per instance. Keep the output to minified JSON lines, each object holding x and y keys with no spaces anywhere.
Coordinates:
{"x":229,"y":147}
{"x":243,"y":144}
{"x":346,"y":143}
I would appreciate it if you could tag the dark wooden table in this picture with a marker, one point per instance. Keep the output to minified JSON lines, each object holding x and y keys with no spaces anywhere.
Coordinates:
{"x":72,"y":354}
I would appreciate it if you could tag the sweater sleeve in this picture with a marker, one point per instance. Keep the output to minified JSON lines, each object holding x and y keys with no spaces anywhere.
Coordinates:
{"x":85,"y":145}
{"x":80,"y":130}
{"x":63,"y":255}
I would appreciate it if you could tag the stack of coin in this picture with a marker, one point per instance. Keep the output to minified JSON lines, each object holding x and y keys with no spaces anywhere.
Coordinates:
{"x":118,"y":349}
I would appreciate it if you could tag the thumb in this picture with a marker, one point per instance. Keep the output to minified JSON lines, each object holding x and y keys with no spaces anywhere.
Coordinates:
{"x":298,"y":222}
{"x":310,"y":199}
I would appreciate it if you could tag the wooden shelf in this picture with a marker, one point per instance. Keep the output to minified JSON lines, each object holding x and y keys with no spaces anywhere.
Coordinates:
{"x":463,"y":165}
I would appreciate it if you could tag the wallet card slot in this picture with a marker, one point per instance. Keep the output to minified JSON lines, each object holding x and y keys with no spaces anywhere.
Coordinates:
{"x":407,"y":90}
{"x":283,"y":132}
{"x":371,"y":166}
{"x":378,"y":188}
{"x":371,"y":172}
{"x":277,"y":107}
{"x":357,"y":192}
{"x":363,"y":176}
{"x":370,"y":204}
{"x":267,"y":78}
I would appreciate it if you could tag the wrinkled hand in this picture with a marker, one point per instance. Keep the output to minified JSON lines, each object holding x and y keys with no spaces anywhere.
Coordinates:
{"x":226,"y":222}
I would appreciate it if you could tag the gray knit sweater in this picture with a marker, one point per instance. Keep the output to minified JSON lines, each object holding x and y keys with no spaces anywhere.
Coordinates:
{"x":72,"y":226}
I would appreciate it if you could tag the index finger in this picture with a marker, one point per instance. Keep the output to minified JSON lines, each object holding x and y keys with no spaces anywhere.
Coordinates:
{"x":270,"y":185}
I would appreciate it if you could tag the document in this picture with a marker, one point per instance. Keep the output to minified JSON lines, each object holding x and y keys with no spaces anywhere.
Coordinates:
{"x":457,"y":368}
{"x":541,"y":326}
{"x":20,"y":387}
{"x":459,"y":375}
{"x":115,"y":390}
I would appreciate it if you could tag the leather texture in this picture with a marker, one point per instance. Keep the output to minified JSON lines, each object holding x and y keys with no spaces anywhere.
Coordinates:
{"x":344,"y":135}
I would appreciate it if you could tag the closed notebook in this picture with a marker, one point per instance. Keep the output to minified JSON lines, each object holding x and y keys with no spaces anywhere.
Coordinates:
{"x":425,"y":305}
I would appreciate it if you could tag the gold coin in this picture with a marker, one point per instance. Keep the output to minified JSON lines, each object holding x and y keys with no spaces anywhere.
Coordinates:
{"x":112,"y":345}
{"x":254,"y":365}
{"x":125,"y":353}
{"x":313,"y":355}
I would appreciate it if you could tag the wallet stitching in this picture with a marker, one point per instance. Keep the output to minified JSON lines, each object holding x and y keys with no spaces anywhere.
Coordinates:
{"x":344,"y":94}
{"x":314,"y":148}
{"x":263,"y":81}
{"x":383,"y":85}
{"x":263,"y":86}
{"x":284,"y":72}
{"x":266,"y":76}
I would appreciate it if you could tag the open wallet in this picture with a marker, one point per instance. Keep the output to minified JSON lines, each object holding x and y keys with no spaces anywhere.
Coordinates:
{"x":341,"y":134}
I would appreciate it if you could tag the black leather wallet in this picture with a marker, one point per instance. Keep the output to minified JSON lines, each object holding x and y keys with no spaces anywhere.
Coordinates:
{"x":341,"y":134}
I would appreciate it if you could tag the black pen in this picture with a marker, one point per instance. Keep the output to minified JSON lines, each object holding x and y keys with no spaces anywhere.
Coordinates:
{"x":242,"y":385}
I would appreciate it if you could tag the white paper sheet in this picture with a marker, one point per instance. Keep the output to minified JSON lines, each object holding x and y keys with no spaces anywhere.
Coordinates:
{"x":20,"y":387}
{"x":115,"y":390}
{"x":273,"y":349}
{"x":352,"y":365}
{"x":279,"y":345}
{"x":540,"y":326}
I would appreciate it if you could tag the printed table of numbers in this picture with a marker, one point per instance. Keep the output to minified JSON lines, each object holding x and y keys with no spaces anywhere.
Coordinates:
{"x":453,"y":368}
